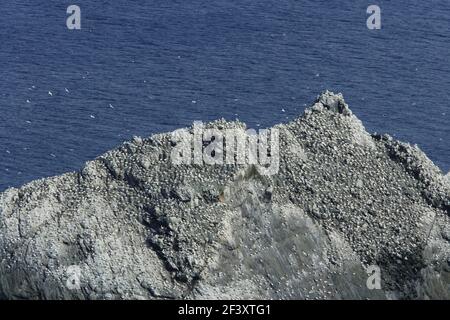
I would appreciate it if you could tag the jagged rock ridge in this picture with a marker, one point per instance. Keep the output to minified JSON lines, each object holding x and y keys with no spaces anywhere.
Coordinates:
{"x":134,"y":226}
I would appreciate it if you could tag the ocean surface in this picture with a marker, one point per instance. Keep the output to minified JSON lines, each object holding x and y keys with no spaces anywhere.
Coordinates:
{"x":141,"y":67}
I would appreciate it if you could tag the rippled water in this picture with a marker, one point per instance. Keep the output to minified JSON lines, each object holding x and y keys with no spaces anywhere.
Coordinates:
{"x":138,"y":68}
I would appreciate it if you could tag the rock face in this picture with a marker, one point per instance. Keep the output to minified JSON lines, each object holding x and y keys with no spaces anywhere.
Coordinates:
{"x":132,"y":225}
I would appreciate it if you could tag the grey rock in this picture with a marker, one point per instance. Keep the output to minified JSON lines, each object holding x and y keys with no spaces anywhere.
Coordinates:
{"x":131,"y":225}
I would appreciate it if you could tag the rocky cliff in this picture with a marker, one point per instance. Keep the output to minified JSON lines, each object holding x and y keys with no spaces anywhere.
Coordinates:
{"x":132,"y":225}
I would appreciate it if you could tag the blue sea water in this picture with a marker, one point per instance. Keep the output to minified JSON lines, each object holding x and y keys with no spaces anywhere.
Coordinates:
{"x":140,"y":67}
